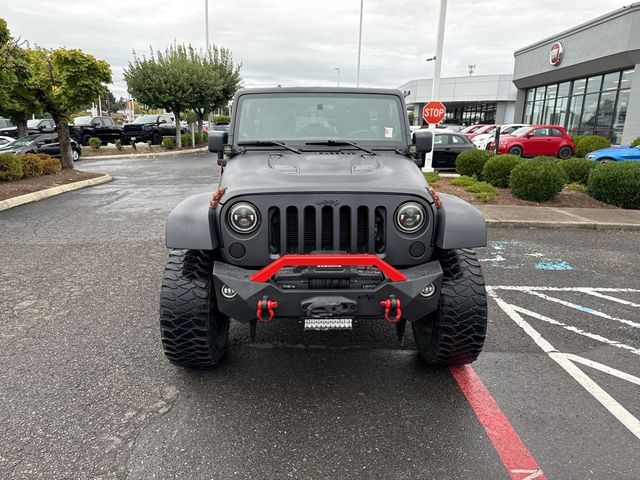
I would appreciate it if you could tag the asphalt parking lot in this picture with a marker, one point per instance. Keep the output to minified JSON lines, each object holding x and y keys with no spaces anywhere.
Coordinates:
{"x":85,"y":391}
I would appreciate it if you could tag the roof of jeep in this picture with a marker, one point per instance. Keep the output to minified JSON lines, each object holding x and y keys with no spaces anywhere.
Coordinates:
{"x":386,"y":91}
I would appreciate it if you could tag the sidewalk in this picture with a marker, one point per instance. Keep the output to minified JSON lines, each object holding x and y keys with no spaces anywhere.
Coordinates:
{"x":551,"y":217}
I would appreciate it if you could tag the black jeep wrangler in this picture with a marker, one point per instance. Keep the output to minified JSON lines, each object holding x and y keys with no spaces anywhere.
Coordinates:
{"x":322,"y":214}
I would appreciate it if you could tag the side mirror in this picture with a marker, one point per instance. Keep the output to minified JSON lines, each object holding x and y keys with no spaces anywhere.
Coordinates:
{"x":162,"y":121}
{"x":217,"y":141}
{"x":39,"y":144}
{"x":423,"y":141}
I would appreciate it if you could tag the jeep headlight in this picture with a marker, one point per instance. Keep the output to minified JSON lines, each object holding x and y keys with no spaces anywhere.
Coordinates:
{"x":410,"y":217}
{"x":244,"y":217}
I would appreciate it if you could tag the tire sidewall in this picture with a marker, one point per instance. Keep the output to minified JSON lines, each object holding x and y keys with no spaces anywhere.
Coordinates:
{"x":515,"y":151}
{"x":564,"y":157}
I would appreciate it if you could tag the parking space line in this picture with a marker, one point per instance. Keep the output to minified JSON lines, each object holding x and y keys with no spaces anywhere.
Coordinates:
{"x":580,"y":308}
{"x":579,"y":331}
{"x":590,"y":291}
{"x":604,"y":368}
{"x":514,"y":455}
{"x":567,"y":363}
{"x":565,"y":289}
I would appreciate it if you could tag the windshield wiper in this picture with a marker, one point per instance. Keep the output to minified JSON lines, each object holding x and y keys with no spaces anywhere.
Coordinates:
{"x":258,"y":143}
{"x":341,"y":142}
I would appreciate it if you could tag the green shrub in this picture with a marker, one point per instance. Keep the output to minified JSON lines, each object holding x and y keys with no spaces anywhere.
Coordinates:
{"x":577,"y":169}
{"x":169,"y":143}
{"x":186,"y":140}
{"x":10,"y":167}
{"x":636,"y":142}
{"x":589,"y":143}
{"x":51,"y":166}
{"x":221,"y":118}
{"x":432,"y":177}
{"x":617,"y":183}
{"x":538,"y":180}
{"x":472,"y":162}
{"x":463,"y":181}
{"x":577,"y":187}
{"x":576,"y":138}
{"x":542,"y":158}
{"x":95,"y":143}
{"x":32,"y":165}
{"x":486,"y":196}
{"x":118,"y":144}
{"x":498,"y":169}
{"x":481,"y":187}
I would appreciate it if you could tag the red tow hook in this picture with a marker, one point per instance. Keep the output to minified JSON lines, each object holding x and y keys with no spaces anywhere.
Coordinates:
{"x":392,"y":305}
{"x":266,"y":309}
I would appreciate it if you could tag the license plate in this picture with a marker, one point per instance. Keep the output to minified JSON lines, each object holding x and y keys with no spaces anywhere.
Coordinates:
{"x":328,"y":323}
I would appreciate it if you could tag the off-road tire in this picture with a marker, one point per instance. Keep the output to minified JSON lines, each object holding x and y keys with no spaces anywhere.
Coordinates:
{"x":194,"y":333}
{"x":156,"y":139}
{"x":454,"y":334}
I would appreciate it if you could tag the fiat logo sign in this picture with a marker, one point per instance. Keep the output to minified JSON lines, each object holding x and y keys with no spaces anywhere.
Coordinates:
{"x":555,"y":55}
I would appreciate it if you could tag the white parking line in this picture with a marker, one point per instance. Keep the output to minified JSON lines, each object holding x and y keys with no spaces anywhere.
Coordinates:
{"x":566,"y":361}
{"x":590,"y":291}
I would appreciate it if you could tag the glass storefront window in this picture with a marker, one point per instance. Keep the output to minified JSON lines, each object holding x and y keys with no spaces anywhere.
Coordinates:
{"x":588,"y":121}
{"x":620,"y":116}
{"x":625,"y":80}
{"x":563,"y":89}
{"x":552,"y":91}
{"x":594,"y":84}
{"x":573,"y":114}
{"x":528,"y":109}
{"x":540,"y":93}
{"x":611,"y":81}
{"x":579,"y":86}
{"x":560,"y":113}
{"x":530,"y":94}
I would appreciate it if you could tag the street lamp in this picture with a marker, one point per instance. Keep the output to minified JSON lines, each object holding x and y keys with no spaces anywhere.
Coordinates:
{"x":338,"y":70}
{"x":471,"y":68}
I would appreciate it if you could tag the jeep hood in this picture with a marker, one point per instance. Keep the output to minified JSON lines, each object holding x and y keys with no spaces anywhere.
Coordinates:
{"x":384,"y":172}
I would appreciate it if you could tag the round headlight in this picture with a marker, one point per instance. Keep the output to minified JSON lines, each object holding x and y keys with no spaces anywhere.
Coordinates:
{"x":410,"y":217}
{"x":244,"y":217}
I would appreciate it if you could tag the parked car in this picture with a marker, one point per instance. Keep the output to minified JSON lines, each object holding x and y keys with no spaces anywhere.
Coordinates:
{"x":43,"y":143}
{"x":615,"y":154}
{"x":34,"y":126}
{"x":104,"y":128}
{"x":484,"y":129}
{"x":446,"y":148}
{"x":471,"y":128}
{"x":7,"y":129}
{"x":452,"y":124}
{"x":482,"y":140}
{"x":149,"y":127}
{"x":4,"y":140}
{"x":550,"y":140}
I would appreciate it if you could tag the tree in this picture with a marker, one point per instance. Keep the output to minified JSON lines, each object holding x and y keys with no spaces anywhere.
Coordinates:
{"x":63,"y":81}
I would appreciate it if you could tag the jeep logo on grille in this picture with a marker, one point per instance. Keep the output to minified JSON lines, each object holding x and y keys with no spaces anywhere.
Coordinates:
{"x":332,"y":202}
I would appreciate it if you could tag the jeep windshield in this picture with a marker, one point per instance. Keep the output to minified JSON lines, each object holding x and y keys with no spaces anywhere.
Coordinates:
{"x":316,"y":119}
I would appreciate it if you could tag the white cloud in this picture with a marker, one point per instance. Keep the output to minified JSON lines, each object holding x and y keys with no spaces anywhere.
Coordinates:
{"x":300,"y":42}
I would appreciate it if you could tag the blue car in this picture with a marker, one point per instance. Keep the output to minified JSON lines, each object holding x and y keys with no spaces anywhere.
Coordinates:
{"x":612,"y":154}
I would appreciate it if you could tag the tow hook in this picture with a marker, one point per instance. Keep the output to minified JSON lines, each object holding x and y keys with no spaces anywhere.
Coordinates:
{"x":266,"y":308}
{"x":392,"y":311}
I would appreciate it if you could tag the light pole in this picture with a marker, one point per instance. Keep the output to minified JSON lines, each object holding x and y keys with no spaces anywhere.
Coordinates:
{"x":206,"y":29}
{"x":359,"y":44}
{"x":338,"y":70}
{"x":437,"y":70}
{"x":471,"y":69}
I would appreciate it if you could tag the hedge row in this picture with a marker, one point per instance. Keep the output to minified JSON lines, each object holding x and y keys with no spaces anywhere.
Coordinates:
{"x":15,"y":167}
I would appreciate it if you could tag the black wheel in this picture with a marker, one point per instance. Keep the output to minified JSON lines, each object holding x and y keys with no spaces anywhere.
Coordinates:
{"x":156,"y":139}
{"x":454,"y":334}
{"x":85,"y":140}
{"x":565,"y":152}
{"x":606,"y":160}
{"x":517,"y":151}
{"x":75,"y":154}
{"x":194,"y":333}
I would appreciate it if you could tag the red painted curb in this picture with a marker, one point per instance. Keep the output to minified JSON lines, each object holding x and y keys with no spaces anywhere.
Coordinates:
{"x":515,"y":457}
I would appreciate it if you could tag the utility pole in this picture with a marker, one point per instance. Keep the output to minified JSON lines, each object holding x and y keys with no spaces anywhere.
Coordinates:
{"x":359,"y":44}
{"x":338,"y":70}
{"x":437,"y":70}
{"x":206,"y":22}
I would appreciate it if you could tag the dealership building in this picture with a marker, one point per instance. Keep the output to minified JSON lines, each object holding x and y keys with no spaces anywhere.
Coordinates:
{"x":586,"y":78}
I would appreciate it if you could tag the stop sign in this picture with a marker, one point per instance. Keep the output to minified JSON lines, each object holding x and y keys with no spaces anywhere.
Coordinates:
{"x":434,"y":112}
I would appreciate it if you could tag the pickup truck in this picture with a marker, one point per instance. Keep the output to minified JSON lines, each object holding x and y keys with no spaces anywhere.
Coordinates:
{"x":104,"y":128}
{"x":149,"y":127}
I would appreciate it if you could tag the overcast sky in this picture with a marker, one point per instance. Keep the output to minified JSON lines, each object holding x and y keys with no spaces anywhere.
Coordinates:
{"x":297,"y":43}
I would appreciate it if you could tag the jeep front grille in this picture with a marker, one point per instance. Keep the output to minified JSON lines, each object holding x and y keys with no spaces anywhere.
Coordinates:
{"x":298,"y":229}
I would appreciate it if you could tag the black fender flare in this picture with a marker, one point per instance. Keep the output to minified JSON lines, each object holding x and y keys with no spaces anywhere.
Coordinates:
{"x":460,"y":224}
{"x":192,"y":224}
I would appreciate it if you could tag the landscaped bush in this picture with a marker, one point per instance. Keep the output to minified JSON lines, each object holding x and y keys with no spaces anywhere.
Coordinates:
{"x":472,"y":162}
{"x":201,"y":137}
{"x":576,"y":138}
{"x":636,"y":142}
{"x":32,"y":165}
{"x":169,"y":143}
{"x":95,"y":143}
{"x":221,"y":119}
{"x":577,"y":169}
{"x":10,"y":167}
{"x":118,"y":144}
{"x":51,"y":166}
{"x":538,"y":180}
{"x":589,"y":143}
{"x":483,"y":190}
{"x":617,"y":183}
{"x":498,"y":168}
{"x":463,"y":181}
{"x":432,"y":177}
{"x":186,"y":140}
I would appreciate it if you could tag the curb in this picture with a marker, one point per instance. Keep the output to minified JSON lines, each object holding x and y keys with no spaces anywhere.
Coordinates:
{"x":146,"y":155}
{"x":51,"y":192}
{"x":560,"y":225}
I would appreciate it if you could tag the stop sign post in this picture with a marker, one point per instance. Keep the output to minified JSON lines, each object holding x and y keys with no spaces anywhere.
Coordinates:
{"x":432,"y":113}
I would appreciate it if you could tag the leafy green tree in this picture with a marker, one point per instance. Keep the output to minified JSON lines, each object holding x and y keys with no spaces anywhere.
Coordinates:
{"x":63,"y":81}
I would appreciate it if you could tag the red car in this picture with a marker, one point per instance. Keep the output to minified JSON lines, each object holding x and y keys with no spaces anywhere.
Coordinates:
{"x":548,"y":140}
{"x":471,"y":129}
{"x":480,"y":131}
